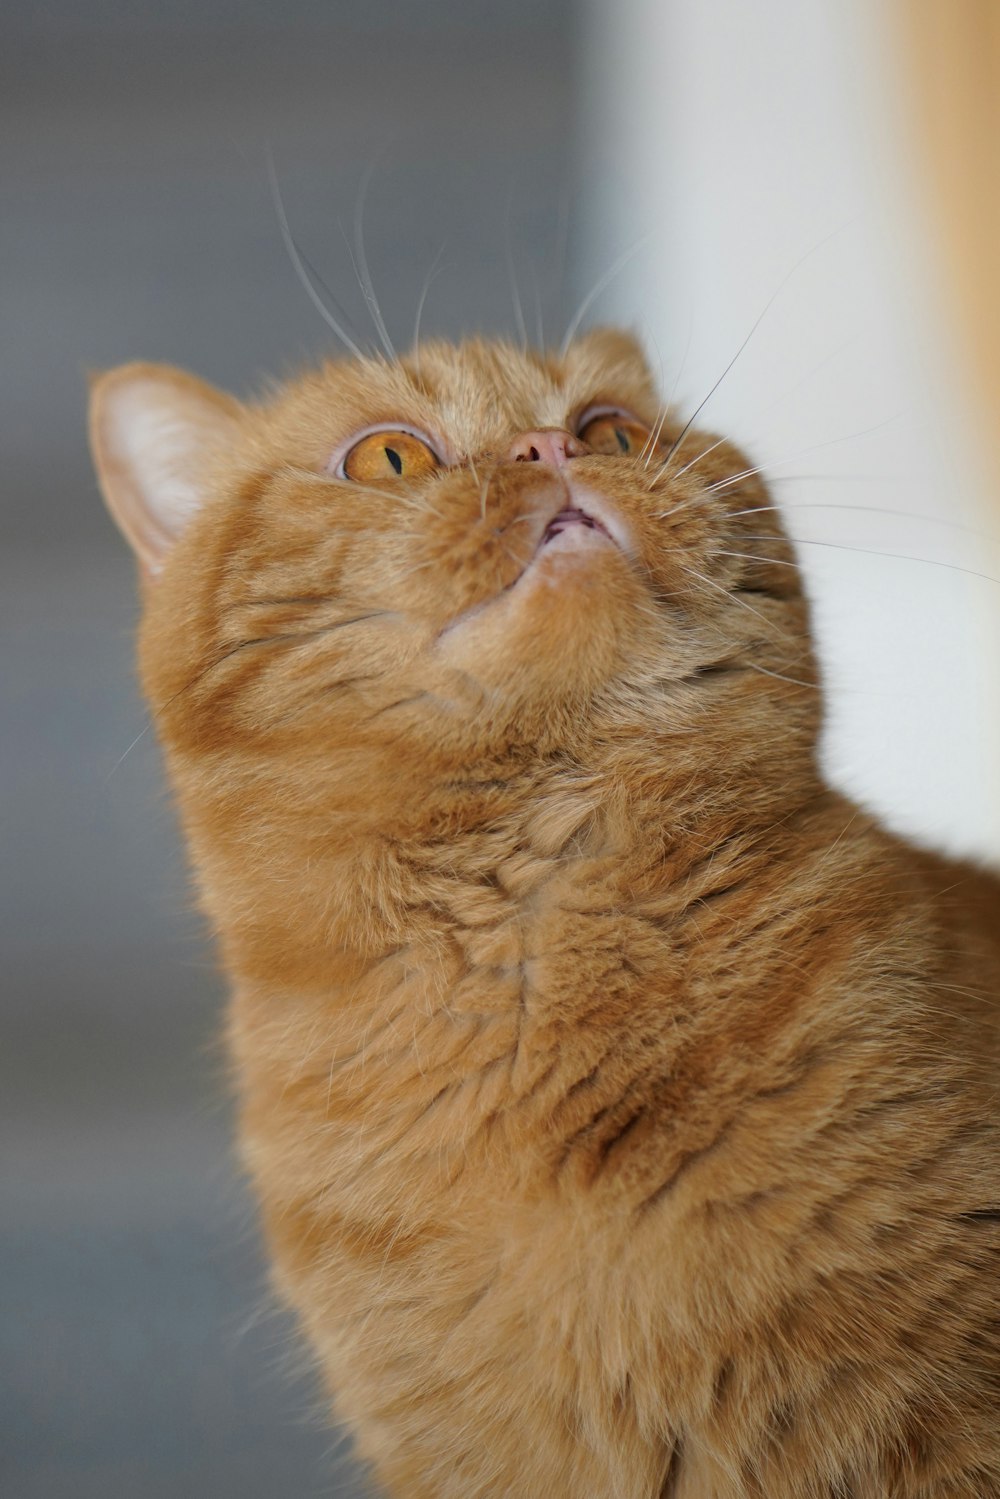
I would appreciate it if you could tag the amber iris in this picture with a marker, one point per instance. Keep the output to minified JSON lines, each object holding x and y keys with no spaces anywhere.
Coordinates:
{"x":389,"y":455}
{"x":615,"y":435}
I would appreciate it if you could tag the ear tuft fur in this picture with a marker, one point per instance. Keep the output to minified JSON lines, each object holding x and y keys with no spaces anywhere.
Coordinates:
{"x":613,"y":346}
{"x":155,"y":433}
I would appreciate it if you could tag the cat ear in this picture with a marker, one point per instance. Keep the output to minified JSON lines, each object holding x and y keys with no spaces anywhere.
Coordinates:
{"x":155,"y":434}
{"x":613,"y":358}
{"x":616,"y":346}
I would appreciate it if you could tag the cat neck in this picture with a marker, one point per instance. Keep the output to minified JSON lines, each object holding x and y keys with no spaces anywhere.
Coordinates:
{"x":459,"y":990}
{"x":331,"y":873}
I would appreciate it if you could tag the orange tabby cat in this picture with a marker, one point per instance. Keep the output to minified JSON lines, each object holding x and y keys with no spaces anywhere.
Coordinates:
{"x":621,"y":1100}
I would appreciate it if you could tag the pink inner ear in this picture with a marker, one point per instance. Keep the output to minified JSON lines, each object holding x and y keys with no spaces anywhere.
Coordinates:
{"x":156,"y":434}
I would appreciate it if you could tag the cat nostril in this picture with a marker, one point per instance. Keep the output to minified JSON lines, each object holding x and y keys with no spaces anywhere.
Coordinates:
{"x":546,"y":445}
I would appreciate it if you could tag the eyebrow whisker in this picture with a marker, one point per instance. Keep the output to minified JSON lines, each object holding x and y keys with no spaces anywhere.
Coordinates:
{"x":361,"y":267}
{"x":435,"y":269}
{"x":299,"y":265}
{"x":595,"y":291}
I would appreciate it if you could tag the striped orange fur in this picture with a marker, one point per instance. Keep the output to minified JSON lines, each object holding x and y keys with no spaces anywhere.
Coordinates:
{"x":621,"y":1101}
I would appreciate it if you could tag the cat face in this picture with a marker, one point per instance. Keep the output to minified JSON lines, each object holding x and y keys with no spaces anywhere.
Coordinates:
{"x":473,"y":547}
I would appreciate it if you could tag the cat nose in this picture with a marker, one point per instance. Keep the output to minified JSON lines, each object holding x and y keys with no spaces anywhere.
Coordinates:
{"x":545,"y":445}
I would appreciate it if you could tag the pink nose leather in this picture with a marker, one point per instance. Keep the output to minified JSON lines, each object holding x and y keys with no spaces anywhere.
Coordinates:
{"x":545,"y":445}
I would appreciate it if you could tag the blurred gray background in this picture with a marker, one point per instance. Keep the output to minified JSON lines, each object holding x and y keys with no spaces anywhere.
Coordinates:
{"x":139,"y":1353}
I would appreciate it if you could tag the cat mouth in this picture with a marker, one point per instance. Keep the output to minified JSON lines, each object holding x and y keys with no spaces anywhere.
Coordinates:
{"x":572,"y":516}
{"x":583,"y":523}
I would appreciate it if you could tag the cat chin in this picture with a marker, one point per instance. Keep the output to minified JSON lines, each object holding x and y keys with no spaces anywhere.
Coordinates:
{"x":568,"y":564}
{"x":582,"y":532}
{"x":579,"y":601}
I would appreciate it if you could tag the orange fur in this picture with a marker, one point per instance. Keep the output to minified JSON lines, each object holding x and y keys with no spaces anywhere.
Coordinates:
{"x":621,"y":1100}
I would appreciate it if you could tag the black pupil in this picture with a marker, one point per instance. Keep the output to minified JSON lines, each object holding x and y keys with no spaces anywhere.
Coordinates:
{"x":622,"y":437}
{"x":394,"y":459}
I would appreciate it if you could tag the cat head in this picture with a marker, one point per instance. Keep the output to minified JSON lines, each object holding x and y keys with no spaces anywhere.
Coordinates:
{"x":471,"y":551}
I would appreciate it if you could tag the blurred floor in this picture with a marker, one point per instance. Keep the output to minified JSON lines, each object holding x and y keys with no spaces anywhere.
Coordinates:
{"x":138,"y":1355}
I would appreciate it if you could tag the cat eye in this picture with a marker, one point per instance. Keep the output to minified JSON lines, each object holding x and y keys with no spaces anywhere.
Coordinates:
{"x":389,"y":454}
{"x":613,"y":433}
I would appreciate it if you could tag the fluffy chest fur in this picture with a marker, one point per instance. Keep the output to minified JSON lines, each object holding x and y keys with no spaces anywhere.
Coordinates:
{"x":620,"y":1099}
{"x":573,"y":1162}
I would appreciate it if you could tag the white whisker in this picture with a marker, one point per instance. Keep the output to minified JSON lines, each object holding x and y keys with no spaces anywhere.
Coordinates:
{"x":561,"y":245}
{"x":727,"y":592}
{"x":704,"y":454}
{"x":756,"y":324}
{"x":913,"y":515}
{"x":361,"y":266}
{"x":539,"y":327}
{"x":765,"y":561}
{"x":780,"y":676}
{"x":815,"y":447}
{"x":769,"y":407}
{"x":668,"y":403}
{"x":123,"y":757}
{"x":841,"y":546}
{"x":434,"y":271}
{"x":595,"y":292}
{"x":298,"y":263}
{"x":515,"y":294}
